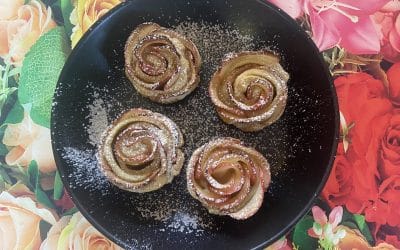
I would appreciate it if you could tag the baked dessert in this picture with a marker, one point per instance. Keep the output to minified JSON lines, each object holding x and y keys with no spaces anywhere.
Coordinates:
{"x":228,"y":178}
{"x":161,"y":64}
{"x":141,"y":151}
{"x":249,"y":89}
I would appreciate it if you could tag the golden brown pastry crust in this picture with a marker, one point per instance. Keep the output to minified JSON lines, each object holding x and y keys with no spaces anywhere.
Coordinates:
{"x":141,"y":151}
{"x":249,"y":90}
{"x":161,"y":64}
{"x":228,"y":178}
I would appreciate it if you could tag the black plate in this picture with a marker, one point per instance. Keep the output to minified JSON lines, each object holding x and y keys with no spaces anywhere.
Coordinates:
{"x":93,"y":90}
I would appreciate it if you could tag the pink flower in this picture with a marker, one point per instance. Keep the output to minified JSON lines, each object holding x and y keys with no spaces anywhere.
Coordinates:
{"x":387,"y":21}
{"x":320,"y":217}
{"x":326,"y":230}
{"x":346,"y":23}
{"x":292,"y":7}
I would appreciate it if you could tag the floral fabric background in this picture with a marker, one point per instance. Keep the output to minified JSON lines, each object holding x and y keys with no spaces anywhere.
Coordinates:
{"x":359,"y":206}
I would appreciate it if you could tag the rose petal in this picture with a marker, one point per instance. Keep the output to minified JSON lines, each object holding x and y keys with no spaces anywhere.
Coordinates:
{"x":4,"y":48}
{"x":8,"y":236}
{"x":393,"y":75}
{"x":20,"y":189}
{"x":389,"y":54}
{"x":53,"y":234}
{"x":339,"y":184}
{"x":394,"y":39}
{"x":20,"y":134}
{"x":391,"y":6}
{"x":31,"y":142}
{"x":86,"y":13}
{"x":42,"y":151}
{"x":291,"y":7}
{"x":9,"y":8}
{"x":389,"y":168}
{"x":18,"y":156}
{"x":9,"y":201}
{"x":26,"y":228}
{"x":64,"y":241}
{"x":24,"y":26}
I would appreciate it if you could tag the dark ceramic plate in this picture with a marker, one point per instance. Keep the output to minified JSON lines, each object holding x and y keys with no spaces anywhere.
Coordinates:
{"x":93,"y":90}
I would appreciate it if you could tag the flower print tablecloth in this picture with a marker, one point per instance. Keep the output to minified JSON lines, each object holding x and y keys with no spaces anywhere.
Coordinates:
{"x":359,"y":206}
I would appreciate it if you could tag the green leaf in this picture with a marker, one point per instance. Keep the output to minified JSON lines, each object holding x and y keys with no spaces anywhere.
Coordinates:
{"x":4,"y":175}
{"x":3,"y":99}
{"x":2,"y":184}
{"x":349,"y":224}
{"x":16,"y":114}
{"x":41,"y":68}
{"x":301,"y":237}
{"x":14,"y":71}
{"x":3,"y":148}
{"x":347,"y":216}
{"x":66,"y":9}
{"x":44,"y":228}
{"x":34,"y":179}
{"x":33,"y":172}
{"x":58,"y":187}
{"x":363,"y":227}
{"x":70,"y":211}
{"x":20,"y":175}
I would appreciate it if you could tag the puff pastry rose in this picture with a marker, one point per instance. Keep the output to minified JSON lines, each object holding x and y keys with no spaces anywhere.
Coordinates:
{"x":161,"y":64}
{"x":228,"y":178}
{"x":141,"y":151}
{"x":249,"y":90}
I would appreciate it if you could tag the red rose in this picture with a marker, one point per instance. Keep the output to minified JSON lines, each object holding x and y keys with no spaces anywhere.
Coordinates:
{"x":393,"y":75}
{"x":366,"y":109}
{"x":389,"y":195}
{"x":363,"y":101}
{"x":365,"y":185}
{"x":390,"y":152}
{"x":340,"y":181}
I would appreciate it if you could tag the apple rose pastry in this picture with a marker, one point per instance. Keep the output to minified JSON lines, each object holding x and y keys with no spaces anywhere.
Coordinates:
{"x":249,"y":90}
{"x":161,"y":64}
{"x":228,"y":178}
{"x":141,"y":151}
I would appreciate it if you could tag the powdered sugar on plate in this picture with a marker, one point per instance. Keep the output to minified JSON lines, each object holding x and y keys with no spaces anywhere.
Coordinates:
{"x":86,"y":172}
{"x":98,"y":119}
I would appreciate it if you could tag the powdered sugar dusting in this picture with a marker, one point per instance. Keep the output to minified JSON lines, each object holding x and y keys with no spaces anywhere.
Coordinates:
{"x":98,"y":119}
{"x":214,"y":42}
{"x":86,"y":171}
